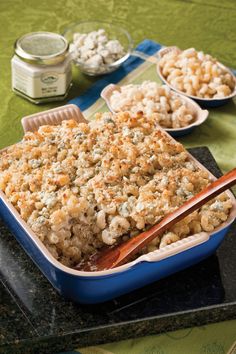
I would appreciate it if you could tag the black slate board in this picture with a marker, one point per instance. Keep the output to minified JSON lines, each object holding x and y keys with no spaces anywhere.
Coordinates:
{"x":35,"y":319}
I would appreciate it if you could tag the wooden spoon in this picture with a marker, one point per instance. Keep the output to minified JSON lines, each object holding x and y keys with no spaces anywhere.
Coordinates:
{"x":114,"y":256}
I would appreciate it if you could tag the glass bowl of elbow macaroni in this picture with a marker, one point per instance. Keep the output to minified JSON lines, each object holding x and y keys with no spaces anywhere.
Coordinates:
{"x":196,"y":75}
{"x":98,"y":47}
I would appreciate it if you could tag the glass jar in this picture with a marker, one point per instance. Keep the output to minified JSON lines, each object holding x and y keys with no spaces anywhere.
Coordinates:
{"x":41,"y":67}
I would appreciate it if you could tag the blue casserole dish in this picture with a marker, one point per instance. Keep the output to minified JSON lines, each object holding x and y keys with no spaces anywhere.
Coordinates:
{"x":95,"y":287}
{"x":203,"y":102}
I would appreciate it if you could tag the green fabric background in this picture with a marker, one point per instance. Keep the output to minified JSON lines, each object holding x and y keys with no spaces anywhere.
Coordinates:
{"x":209,"y":26}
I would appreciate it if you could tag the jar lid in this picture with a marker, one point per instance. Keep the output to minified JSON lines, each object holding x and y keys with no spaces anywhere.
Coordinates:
{"x":44,"y":48}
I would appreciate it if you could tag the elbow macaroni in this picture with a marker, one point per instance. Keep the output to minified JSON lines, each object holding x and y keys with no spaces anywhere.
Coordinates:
{"x":168,"y":108}
{"x":196,"y":74}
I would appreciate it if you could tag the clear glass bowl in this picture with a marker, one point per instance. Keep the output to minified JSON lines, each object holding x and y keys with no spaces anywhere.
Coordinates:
{"x":113,"y":31}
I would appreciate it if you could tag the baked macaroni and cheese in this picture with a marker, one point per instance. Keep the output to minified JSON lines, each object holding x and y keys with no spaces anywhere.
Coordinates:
{"x":80,"y":186}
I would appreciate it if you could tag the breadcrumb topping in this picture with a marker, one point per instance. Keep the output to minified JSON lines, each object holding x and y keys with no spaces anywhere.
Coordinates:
{"x":80,"y":186}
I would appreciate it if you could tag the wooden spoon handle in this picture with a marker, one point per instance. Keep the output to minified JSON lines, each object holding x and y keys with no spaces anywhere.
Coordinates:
{"x":135,"y":244}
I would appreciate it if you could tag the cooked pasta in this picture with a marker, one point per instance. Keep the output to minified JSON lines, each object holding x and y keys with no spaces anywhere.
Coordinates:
{"x":196,"y":74}
{"x":169,"y":109}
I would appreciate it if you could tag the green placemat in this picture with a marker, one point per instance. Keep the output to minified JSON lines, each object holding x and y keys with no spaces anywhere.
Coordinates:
{"x":216,"y":338}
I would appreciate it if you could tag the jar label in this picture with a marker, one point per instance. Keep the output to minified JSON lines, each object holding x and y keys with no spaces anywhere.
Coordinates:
{"x":46,"y":84}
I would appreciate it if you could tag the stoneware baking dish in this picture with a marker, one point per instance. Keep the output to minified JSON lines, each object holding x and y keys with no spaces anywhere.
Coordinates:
{"x":203,"y":102}
{"x":95,"y":287}
{"x":199,"y":114}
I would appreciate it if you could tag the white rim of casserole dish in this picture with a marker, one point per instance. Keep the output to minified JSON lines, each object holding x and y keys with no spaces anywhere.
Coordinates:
{"x":165,"y":50}
{"x":200,"y":114}
{"x":56,"y":116}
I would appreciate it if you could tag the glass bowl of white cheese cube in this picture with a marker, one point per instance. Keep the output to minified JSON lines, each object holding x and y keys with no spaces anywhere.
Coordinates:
{"x":98,"y":48}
